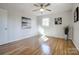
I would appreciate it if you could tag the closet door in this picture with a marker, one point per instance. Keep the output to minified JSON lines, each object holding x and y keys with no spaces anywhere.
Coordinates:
{"x":3,"y":27}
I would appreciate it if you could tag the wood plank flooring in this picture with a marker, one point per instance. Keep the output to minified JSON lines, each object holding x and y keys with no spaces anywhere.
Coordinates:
{"x":39,"y":46}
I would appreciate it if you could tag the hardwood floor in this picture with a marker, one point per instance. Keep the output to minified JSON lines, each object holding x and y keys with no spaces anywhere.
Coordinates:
{"x":39,"y":46}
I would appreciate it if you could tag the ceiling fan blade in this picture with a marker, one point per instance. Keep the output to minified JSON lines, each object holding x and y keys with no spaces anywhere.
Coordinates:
{"x":47,"y":4}
{"x":41,"y":5}
{"x":36,"y":5}
{"x":48,"y":10}
{"x":36,"y":10}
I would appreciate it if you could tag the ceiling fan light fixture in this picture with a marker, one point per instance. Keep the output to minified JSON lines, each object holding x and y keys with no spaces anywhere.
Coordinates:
{"x":41,"y":9}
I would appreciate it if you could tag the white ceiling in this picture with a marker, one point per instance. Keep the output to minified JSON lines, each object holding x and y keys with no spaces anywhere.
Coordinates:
{"x":28,"y":7}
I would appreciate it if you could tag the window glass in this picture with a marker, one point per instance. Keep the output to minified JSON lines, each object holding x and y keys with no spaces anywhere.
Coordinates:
{"x":45,"y":22}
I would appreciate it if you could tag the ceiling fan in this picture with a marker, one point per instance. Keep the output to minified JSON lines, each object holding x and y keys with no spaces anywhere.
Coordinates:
{"x":42,"y":7}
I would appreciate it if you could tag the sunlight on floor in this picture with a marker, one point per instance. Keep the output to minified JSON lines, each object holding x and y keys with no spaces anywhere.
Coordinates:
{"x":45,"y":48}
{"x":43,"y":37}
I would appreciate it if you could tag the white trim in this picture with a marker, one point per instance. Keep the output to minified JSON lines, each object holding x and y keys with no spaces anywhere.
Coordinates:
{"x":19,"y":39}
{"x":75,"y":45}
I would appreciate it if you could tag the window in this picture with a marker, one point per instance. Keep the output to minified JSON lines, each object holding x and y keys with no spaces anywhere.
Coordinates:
{"x":45,"y":22}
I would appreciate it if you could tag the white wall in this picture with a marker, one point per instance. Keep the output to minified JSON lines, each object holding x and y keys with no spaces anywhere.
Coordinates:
{"x":3,"y":26}
{"x":56,"y":30}
{"x":15,"y":32}
{"x":75,"y":28}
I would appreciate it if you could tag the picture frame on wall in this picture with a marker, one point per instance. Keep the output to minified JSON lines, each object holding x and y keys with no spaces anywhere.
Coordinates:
{"x":26,"y":23}
{"x":58,"y":20}
{"x":76,"y":14}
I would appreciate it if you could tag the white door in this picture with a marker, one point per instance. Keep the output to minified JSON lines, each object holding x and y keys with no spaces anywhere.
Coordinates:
{"x":3,"y":27}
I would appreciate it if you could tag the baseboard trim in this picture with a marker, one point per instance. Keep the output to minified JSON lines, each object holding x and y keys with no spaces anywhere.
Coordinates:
{"x":18,"y":40}
{"x":75,"y":45}
{"x":57,"y":37}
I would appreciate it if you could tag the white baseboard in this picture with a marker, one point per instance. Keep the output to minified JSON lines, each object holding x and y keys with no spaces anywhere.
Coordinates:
{"x":75,"y":45}
{"x":59,"y":37}
{"x":21,"y":38}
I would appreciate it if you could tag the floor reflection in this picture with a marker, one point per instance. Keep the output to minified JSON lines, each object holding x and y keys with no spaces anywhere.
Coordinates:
{"x":43,"y":38}
{"x":45,"y":48}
